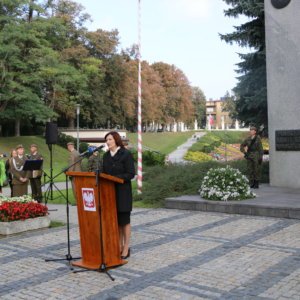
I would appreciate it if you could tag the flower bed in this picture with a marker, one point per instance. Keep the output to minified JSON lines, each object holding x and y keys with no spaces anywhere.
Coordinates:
{"x":225,"y":184}
{"x":23,"y":199}
{"x":19,"y":214}
{"x":197,"y":156}
{"x":14,"y":211}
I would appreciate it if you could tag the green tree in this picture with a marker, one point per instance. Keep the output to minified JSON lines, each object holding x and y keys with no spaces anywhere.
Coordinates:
{"x":199,"y":101}
{"x":69,"y":84}
{"x":106,"y":86}
{"x":251,"y":90}
{"x":23,"y":51}
{"x":229,"y":105}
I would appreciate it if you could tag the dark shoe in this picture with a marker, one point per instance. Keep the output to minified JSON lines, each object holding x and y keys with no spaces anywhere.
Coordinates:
{"x":126,"y":256}
{"x":256,"y":184}
{"x":252,"y":184}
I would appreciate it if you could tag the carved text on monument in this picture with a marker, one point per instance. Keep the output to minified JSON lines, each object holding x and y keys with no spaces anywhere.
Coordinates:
{"x":287,"y":140}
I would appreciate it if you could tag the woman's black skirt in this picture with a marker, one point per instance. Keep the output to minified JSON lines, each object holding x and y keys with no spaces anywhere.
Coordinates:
{"x":123,"y":218}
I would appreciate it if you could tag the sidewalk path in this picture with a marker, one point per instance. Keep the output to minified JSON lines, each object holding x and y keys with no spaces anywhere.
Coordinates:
{"x":176,"y":254}
{"x":177,"y":155}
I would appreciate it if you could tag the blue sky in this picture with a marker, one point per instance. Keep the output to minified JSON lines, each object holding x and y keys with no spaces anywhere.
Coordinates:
{"x":179,"y":32}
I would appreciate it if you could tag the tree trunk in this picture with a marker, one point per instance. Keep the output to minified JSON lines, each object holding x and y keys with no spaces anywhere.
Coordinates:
{"x":17,"y":127}
{"x":71,"y":123}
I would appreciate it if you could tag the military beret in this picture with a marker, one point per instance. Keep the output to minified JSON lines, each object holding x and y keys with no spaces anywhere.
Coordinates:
{"x":33,"y":145}
{"x":19,"y":146}
{"x":253,"y":128}
{"x":70,"y":143}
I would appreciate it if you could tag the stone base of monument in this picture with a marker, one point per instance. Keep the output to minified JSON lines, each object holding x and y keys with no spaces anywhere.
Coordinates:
{"x":7,"y":228}
{"x":269,"y":202}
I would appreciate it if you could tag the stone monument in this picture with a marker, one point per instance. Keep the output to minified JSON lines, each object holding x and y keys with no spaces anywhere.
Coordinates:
{"x":282,"y":23}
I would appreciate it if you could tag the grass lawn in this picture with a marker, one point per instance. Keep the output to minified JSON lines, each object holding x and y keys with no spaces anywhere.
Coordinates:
{"x":55,"y":224}
{"x":164,"y":142}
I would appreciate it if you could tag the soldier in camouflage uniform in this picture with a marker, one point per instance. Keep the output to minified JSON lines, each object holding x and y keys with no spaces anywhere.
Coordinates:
{"x":94,"y":162}
{"x":253,"y":152}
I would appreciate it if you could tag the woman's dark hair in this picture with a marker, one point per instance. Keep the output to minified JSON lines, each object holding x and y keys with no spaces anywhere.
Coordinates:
{"x":116,"y":137}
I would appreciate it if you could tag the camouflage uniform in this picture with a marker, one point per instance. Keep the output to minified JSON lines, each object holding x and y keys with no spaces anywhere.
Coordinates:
{"x":253,"y":153}
{"x":94,"y":163}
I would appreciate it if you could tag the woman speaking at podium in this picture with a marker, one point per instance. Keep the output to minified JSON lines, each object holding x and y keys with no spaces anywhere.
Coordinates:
{"x":118,"y":161}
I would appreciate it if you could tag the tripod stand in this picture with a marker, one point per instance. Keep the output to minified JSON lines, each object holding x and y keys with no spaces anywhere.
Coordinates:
{"x":49,"y":191}
{"x":68,"y":255}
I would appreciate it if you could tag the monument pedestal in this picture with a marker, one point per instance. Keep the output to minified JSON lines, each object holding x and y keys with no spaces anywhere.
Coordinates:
{"x":283,"y":73}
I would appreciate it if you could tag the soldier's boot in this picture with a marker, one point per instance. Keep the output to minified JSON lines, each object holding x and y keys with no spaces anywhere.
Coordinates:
{"x":252,"y":183}
{"x":256,"y":184}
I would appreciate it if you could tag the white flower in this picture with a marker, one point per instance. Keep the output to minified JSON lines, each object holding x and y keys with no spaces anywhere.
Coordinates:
{"x":225,"y":184}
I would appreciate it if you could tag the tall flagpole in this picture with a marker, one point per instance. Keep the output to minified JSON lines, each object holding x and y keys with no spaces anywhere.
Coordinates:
{"x":140,"y":147}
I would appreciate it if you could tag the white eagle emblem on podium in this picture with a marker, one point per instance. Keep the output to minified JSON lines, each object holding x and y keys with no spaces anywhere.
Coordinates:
{"x":88,"y":198}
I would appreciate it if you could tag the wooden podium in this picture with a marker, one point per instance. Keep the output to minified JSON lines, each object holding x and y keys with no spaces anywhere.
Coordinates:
{"x":97,"y":216}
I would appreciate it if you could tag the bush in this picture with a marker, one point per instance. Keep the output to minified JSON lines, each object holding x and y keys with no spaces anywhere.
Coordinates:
{"x":64,"y":139}
{"x":231,"y":137}
{"x":150,"y":158}
{"x":197,"y":156}
{"x":225,"y":184}
{"x":161,"y":182}
{"x":83,"y":146}
{"x":206,"y":144}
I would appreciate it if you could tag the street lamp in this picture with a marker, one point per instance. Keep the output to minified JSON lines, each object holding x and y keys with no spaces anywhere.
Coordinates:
{"x":77,"y":113}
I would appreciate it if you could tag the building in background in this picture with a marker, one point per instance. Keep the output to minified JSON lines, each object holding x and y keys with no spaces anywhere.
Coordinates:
{"x":216,"y":118}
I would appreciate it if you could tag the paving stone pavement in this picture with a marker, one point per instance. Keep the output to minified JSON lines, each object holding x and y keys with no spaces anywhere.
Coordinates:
{"x":175,"y":255}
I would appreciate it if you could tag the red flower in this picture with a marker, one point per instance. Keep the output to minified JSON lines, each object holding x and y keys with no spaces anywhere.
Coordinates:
{"x":13,"y":211}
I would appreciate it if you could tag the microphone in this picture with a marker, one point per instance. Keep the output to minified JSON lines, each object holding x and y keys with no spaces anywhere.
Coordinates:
{"x":91,"y":150}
